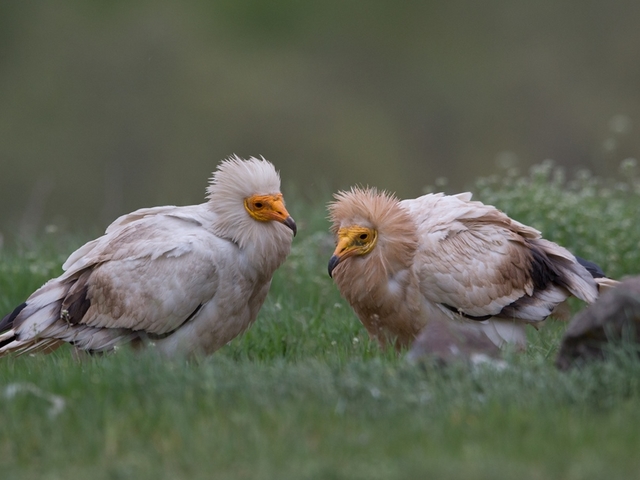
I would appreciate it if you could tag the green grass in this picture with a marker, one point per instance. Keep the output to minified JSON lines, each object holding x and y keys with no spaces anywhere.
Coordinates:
{"x":304,"y":394}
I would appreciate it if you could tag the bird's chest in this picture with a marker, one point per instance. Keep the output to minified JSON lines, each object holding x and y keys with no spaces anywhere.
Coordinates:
{"x":243,"y":289}
{"x":231,"y":311}
{"x":391,"y":310}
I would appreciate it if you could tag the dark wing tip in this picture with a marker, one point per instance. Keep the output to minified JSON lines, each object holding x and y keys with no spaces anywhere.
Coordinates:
{"x":593,"y":268}
{"x":7,"y":321}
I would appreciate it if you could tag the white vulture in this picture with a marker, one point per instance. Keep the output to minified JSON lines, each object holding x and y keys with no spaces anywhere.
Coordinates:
{"x":187,"y":279}
{"x":400,"y":263}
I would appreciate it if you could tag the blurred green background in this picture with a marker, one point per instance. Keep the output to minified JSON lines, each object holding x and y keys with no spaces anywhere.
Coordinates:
{"x":108,"y":106}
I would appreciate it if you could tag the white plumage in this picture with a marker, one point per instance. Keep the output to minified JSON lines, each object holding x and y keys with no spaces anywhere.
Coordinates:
{"x":189,"y":279}
{"x":400,"y":263}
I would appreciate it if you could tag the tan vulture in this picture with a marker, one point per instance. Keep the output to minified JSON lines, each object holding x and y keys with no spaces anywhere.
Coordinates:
{"x":187,"y":279}
{"x":400,"y":263}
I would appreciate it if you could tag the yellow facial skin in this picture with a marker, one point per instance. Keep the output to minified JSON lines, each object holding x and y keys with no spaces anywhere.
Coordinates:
{"x":353,"y":240}
{"x":268,"y":208}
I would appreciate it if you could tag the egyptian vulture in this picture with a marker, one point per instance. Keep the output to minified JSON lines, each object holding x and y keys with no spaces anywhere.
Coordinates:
{"x":187,"y":279}
{"x":400,"y":263}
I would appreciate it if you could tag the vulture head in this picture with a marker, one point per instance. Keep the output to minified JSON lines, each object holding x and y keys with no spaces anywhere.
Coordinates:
{"x":371,"y":228}
{"x":245,"y":195}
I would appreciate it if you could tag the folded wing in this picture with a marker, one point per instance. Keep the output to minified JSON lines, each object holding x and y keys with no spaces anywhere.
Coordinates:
{"x":147,"y":275}
{"x":478,"y":262}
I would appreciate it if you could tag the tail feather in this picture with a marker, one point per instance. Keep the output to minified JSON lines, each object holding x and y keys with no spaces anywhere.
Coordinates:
{"x":593,"y":268}
{"x":556,"y":274}
{"x":24,"y":329}
{"x":572,"y":275}
{"x":83,"y":337}
{"x":580,"y":283}
{"x":605,"y":284}
{"x":20,"y":347}
{"x":7,"y":321}
{"x":41,"y":309}
{"x":6,"y":336}
{"x":38,"y":325}
{"x":562,"y":311}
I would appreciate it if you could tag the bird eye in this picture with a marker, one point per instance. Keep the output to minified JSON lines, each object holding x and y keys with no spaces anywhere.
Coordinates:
{"x":258,"y":205}
{"x":363,"y":236}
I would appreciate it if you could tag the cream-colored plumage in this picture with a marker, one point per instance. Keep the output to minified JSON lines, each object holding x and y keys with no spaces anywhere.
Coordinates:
{"x":399,"y":263}
{"x":188,"y":279}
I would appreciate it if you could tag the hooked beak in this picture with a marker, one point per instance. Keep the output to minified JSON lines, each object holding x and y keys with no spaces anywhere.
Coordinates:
{"x":344,"y":249}
{"x":289,"y":222}
{"x":333,"y":263}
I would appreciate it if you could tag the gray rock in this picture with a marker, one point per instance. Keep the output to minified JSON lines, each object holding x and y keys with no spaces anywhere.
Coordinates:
{"x":614,"y":317}
{"x":445,"y":342}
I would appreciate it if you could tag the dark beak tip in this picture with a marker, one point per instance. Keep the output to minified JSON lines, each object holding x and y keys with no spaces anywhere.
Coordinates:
{"x":333,"y":263}
{"x":290,"y":222}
